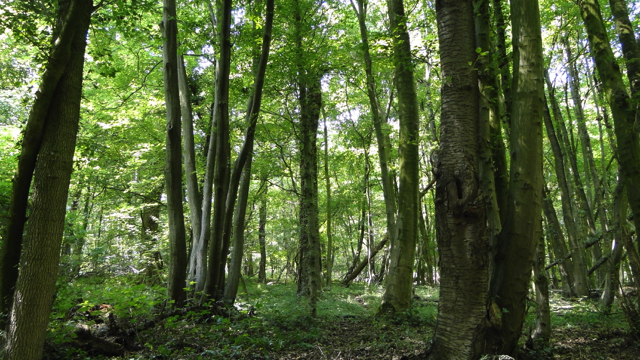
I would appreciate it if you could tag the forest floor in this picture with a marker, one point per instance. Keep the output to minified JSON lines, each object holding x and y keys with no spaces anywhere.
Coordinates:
{"x":273,"y":323}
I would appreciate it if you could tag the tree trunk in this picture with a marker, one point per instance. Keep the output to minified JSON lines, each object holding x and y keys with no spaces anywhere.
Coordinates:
{"x":262,"y":234}
{"x":621,"y":105}
{"x":244,"y":162}
{"x":554,"y":233}
{"x":193,"y":192}
{"x":630,"y":49}
{"x":503,"y":61}
{"x":580,"y":283}
{"x":460,"y":215}
{"x":328,"y":187}
{"x":542,"y":332}
{"x":10,"y":251}
{"x":358,"y":268}
{"x":426,"y":251}
{"x":221,"y":172}
{"x":310,"y":104}
{"x":173,"y":160}
{"x":35,"y":286}
{"x":376,"y":116}
{"x":612,"y":281}
{"x":398,"y":283}
{"x":520,"y":232}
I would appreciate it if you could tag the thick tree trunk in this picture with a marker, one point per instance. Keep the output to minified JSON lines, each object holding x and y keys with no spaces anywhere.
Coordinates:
{"x":30,"y":147}
{"x":519,"y":236}
{"x":35,"y":286}
{"x":173,"y":160}
{"x":460,"y":215}
{"x":193,"y":192}
{"x":398,"y":282}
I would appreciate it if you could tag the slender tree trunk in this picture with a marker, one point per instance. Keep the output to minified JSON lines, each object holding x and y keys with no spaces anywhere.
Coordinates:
{"x":10,"y":251}
{"x":328,"y":189}
{"x":488,"y":119}
{"x":503,"y":61}
{"x":376,"y":115}
{"x":193,"y":192}
{"x":398,"y":283}
{"x":591,"y":177}
{"x":554,"y":233}
{"x":542,"y":332}
{"x":262,"y":235}
{"x":426,"y":252}
{"x":173,"y":164}
{"x":358,"y":268}
{"x":244,"y":162}
{"x":520,"y":232}
{"x":612,"y":280}
{"x":35,"y":286}
{"x":221,"y":172}
{"x":235,"y":266}
{"x":580,"y":282}
{"x":460,"y":215}
{"x":621,"y":105}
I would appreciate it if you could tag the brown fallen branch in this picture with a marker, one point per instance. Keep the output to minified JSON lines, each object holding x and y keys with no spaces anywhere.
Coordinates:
{"x":586,"y":246}
{"x":358,"y":269}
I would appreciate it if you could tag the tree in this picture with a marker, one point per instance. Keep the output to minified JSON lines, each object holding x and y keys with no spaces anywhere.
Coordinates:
{"x":398,"y":283}
{"x":35,"y":285}
{"x":173,"y":162}
{"x":460,"y":212}
{"x":244,"y":161}
{"x":619,"y":100}
{"x":520,"y":232}
{"x":32,"y":139}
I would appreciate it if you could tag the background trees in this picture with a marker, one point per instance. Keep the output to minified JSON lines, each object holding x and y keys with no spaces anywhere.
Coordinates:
{"x":370,"y":71}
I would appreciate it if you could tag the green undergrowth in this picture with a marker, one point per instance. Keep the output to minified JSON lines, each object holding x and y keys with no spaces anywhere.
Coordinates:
{"x":268,"y":321}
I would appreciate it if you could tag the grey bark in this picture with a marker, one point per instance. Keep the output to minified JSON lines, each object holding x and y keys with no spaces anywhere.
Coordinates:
{"x":35,"y":286}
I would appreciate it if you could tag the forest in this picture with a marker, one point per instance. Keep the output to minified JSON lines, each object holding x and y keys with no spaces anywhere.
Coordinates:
{"x":319,"y":179}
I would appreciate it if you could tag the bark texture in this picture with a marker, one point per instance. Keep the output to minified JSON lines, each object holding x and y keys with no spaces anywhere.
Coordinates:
{"x":460,"y":214}
{"x":35,"y":286}
{"x":30,"y":147}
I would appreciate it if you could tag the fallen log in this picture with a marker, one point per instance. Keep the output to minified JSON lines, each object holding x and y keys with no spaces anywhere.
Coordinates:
{"x":358,"y":269}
